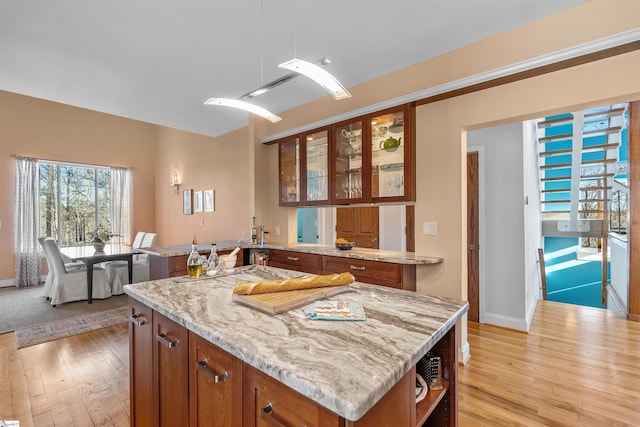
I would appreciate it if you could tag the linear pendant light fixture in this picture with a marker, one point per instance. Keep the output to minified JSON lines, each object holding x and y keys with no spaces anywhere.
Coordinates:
{"x":318,"y":75}
{"x":236,"y":103}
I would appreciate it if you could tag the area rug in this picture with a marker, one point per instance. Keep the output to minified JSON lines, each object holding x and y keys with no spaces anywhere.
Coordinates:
{"x":75,"y":325}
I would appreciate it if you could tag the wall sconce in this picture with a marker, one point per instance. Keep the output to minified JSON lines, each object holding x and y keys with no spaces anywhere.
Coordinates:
{"x":176,"y":182}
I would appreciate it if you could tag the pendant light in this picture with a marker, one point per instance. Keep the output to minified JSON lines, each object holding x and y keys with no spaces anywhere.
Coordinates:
{"x":312,"y":71}
{"x":243,"y":105}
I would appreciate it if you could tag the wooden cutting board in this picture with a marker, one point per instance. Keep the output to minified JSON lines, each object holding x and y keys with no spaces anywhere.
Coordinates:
{"x":279,"y":302}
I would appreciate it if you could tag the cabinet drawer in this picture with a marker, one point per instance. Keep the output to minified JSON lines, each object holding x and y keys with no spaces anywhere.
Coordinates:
{"x":269,"y":402}
{"x":298,"y":261}
{"x":365,"y":271}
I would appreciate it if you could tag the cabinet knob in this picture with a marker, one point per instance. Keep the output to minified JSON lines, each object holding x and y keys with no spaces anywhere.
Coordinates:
{"x":217,"y":378}
{"x":162,"y":337}
{"x":138,"y":319}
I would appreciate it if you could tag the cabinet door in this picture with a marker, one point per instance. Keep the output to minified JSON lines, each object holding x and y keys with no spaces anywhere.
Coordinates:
{"x":391,"y":155}
{"x":289,"y":159}
{"x":215,"y":385}
{"x":317,"y":167}
{"x":171,"y":372}
{"x":349,"y":183}
{"x":140,"y":364}
{"x":268,"y":402}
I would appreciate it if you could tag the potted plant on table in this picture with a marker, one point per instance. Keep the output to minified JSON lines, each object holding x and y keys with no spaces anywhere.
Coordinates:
{"x":100,"y":237}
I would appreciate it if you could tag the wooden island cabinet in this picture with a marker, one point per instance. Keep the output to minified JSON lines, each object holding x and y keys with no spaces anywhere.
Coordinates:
{"x":199,"y":359}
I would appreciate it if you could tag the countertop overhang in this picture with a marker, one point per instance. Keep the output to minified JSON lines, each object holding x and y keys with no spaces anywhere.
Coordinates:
{"x":397,"y":257}
{"x":344,"y":366}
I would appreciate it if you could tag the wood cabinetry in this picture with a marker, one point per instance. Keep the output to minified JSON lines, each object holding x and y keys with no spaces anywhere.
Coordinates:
{"x":170,"y":372}
{"x":399,"y":276}
{"x":372,"y":160}
{"x":299,"y":261}
{"x":269,"y":402}
{"x":215,"y":385}
{"x":140,"y":364}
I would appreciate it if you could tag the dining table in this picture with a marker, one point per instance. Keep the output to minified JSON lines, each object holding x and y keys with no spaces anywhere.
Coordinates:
{"x":91,"y":256}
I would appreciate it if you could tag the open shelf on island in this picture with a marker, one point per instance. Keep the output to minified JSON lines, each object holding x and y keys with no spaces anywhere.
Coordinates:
{"x":425,"y":407}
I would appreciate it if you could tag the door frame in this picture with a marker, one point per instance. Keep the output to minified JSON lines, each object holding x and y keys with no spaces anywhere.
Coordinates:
{"x":482,"y":285}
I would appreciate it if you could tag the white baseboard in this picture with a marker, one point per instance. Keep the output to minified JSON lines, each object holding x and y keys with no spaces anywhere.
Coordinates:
{"x":463,"y":353}
{"x":505,"y":321}
{"x":7,"y":283}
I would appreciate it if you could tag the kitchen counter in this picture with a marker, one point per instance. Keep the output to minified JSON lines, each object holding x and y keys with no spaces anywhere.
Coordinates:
{"x":344,"y":366}
{"x":397,"y":257}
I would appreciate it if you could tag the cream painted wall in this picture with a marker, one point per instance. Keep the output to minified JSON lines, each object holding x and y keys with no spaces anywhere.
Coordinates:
{"x":203,"y":163}
{"x":36,"y":128}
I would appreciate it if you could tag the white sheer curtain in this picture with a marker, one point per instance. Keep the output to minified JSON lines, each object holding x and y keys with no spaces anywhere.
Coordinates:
{"x":121,"y":204}
{"x":26,"y":222}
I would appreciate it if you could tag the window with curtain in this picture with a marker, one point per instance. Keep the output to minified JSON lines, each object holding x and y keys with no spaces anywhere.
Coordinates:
{"x":67,"y":202}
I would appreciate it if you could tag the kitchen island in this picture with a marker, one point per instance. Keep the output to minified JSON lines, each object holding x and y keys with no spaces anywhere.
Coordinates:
{"x":349,"y":373}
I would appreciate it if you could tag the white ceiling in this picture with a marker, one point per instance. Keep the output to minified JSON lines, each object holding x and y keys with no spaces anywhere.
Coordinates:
{"x":158,"y":60}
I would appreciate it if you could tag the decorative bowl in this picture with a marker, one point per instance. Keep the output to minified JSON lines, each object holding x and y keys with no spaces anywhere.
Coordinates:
{"x":345,"y":246}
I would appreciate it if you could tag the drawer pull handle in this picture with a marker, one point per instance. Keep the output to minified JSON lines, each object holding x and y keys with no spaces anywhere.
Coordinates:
{"x":357,"y":267}
{"x":265,"y":414}
{"x":293,"y":258}
{"x":162,"y":337}
{"x":217,"y":378}
{"x":138,"y":319}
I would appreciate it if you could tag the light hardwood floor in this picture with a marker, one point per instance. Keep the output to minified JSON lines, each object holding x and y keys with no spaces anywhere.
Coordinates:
{"x":578,"y":366}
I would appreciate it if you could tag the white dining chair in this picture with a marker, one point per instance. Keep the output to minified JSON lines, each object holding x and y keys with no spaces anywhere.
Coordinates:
{"x":118,"y":271}
{"x":67,"y":286}
{"x":70,"y":266}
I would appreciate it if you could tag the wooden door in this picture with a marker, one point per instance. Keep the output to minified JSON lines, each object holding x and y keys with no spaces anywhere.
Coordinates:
{"x":473,"y":237}
{"x":140,"y":366}
{"x":170,"y":372}
{"x":359,"y":225}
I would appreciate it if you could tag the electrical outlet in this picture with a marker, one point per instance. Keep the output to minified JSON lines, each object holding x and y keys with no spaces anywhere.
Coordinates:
{"x":277,"y":230}
{"x":201,"y":221}
{"x":430,"y":228}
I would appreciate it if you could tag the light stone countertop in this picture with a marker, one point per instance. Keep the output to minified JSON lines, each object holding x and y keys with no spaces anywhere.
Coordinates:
{"x":342,"y":365}
{"x":397,"y":257}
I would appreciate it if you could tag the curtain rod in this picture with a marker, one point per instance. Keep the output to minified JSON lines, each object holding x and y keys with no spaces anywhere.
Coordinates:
{"x":59,"y":162}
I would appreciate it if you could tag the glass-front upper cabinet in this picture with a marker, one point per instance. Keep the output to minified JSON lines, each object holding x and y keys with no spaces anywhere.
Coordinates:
{"x":289,"y":158}
{"x":317,"y":167}
{"x":391,"y":156}
{"x":349,"y":185}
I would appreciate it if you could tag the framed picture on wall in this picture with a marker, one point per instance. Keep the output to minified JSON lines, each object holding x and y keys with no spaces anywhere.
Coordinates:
{"x":209,"y":201}
{"x":187,"y":207}
{"x":197,"y":201}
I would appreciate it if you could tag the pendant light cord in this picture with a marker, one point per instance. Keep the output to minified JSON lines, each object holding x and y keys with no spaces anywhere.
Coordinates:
{"x":295,"y":29}
{"x":262,"y":42}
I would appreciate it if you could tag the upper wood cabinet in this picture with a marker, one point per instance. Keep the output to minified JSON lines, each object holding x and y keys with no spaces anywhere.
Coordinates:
{"x":289,"y":159}
{"x":367,"y":159}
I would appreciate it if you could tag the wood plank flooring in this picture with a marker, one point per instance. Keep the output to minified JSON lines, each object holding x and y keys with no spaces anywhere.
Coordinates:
{"x":578,"y":366}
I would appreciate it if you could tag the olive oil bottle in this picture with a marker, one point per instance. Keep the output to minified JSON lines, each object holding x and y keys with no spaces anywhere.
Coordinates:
{"x":194,"y":268}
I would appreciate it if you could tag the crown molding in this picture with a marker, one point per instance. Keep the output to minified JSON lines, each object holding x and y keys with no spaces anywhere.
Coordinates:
{"x":594,"y":46}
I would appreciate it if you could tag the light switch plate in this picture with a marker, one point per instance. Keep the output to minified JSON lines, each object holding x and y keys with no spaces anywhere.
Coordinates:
{"x":277,"y":230}
{"x":430,"y":228}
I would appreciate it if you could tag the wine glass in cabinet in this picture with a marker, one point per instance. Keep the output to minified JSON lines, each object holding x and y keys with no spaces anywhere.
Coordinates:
{"x":390,"y":171}
{"x":317,"y":167}
{"x":289,"y":158}
{"x":349,"y":185}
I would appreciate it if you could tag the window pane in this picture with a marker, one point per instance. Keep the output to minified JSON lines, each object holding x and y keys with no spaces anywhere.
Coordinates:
{"x":48,"y":201}
{"x":104,"y":198}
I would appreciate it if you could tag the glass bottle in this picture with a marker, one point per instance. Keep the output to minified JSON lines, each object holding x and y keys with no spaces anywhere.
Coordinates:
{"x":194,"y":268}
{"x":254,"y":232}
{"x":213,"y":263}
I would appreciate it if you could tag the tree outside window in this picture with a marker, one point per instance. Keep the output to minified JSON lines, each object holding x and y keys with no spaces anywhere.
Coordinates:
{"x":74,"y":201}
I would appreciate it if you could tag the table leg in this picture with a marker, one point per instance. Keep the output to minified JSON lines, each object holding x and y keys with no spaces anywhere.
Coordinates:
{"x":90,"y":282}
{"x":130,"y":264}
